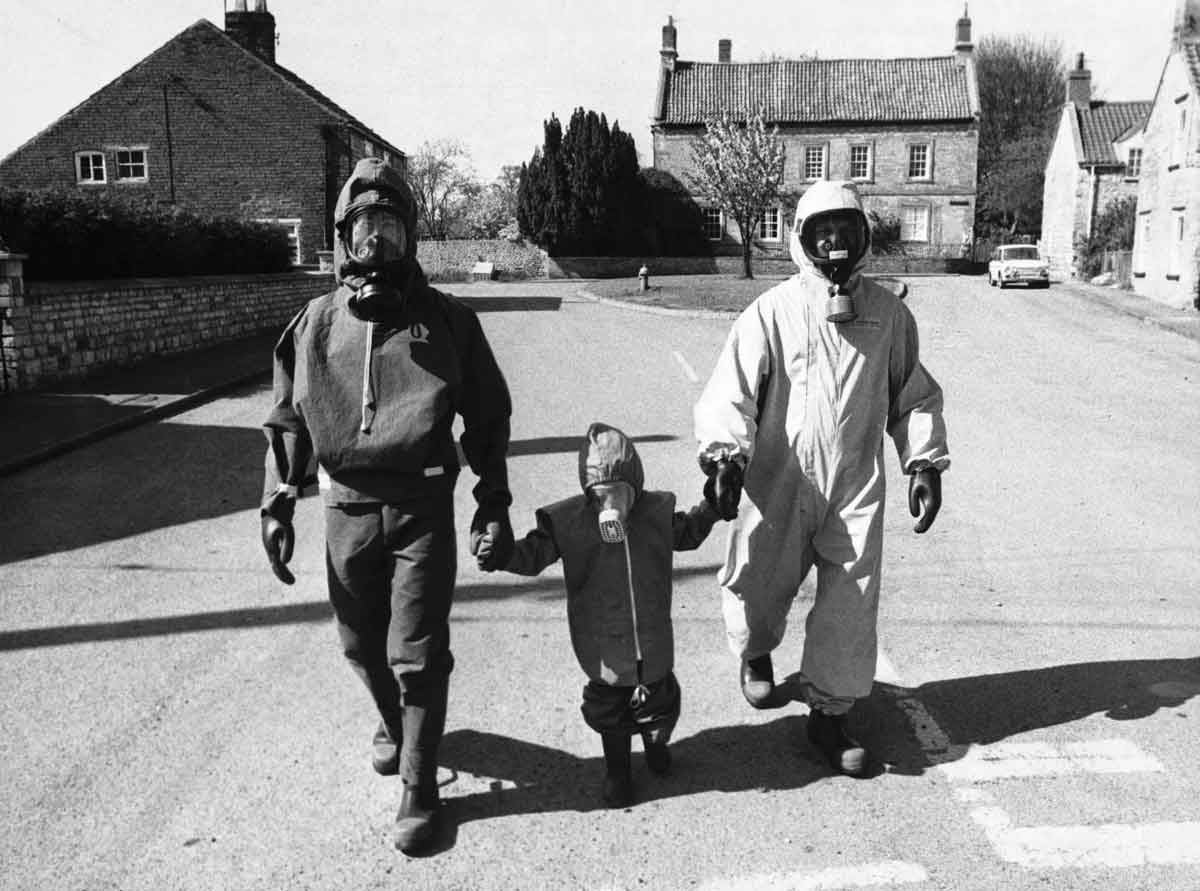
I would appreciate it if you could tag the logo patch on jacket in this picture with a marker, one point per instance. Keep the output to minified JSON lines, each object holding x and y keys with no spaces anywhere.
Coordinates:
{"x":417,"y":332}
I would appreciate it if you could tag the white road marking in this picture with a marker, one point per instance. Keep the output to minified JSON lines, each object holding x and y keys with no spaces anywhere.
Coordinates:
{"x":687,"y":368}
{"x":1110,"y":844}
{"x":867,"y":875}
{"x":1012,"y":760}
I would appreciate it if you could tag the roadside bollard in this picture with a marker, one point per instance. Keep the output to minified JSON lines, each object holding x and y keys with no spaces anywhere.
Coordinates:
{"x":644,"y":276}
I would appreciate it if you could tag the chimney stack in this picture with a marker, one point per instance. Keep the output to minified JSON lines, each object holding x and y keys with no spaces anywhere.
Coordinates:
{"x":667,"y":52}
{"x":253,"y":30}
{"x":724,"y":50}
{"x":962,"y":35}
{"x":1187,"y":23}
{"x":1079,"y":84}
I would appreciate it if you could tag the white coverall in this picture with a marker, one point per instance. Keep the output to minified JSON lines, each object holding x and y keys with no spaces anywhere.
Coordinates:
{"x":805,"y":402}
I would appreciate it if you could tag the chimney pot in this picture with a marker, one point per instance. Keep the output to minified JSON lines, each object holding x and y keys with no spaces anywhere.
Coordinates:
{"x":962,"y":34}
{"x":1079,"y":84}
{"x":667,"y":52}
{"x":724,"y":50}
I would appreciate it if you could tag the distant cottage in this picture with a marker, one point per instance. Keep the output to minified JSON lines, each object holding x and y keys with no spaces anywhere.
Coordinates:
{"x":1096,"y":159}
{"x":212,"y":122}
{"x":905,"y":130}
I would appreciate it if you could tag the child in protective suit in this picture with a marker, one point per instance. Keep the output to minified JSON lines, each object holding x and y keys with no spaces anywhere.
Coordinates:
{"x":616,"y":541}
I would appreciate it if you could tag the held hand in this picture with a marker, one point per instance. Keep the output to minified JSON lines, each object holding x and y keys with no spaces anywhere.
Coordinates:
{"x":491,"y":539}
{"x":925,"y":497}
{"x":723,"y":489}
{"x":278,"y":539}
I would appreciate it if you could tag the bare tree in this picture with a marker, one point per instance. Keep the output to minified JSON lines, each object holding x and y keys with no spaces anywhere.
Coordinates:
{"x":739,"y":169}
{"x":441,"y":177}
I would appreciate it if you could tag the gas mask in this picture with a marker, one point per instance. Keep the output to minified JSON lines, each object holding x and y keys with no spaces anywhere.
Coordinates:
{"x":377,"y":243}
{"x":612,"y":501}
{"x":835,"y":241}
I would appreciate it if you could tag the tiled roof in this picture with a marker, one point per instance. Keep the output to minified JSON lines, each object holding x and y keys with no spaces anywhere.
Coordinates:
{"x":1102,"y":123}
{"x":820,"y":90}
{"x":1191,"y":55}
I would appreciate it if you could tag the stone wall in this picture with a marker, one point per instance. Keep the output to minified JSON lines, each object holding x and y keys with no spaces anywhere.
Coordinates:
{"x":452,"y":260}
{"x":59,"y":331}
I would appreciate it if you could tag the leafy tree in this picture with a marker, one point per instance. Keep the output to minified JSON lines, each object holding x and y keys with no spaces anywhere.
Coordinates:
{"x":1113,"y":231}
{"x":885,"y":233}
{"x":1021,"y":91}
{"x":440,"y":176}
{"x":739,"y":169}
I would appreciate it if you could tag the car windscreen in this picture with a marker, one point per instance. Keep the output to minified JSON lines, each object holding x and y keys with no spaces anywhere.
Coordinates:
{"x":1020,"y":253}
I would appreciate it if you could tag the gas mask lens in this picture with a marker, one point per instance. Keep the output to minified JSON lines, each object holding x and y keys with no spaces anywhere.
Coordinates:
{"x":377,"y":237}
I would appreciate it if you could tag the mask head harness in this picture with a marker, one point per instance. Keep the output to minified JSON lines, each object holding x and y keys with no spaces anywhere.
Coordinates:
{"x":835,"y":241}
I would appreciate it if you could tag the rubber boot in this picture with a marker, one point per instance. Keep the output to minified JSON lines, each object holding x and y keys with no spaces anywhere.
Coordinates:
{"x":424,"y":723}
{"x":758,"y":681}
{"x":618,"y":780}
{"x":828,"y":733}
{"x":658,"y":756}
{"x":385,"y":750}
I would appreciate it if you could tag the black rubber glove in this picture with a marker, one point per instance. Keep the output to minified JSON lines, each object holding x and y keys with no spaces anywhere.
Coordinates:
{"x":723,"y":488}
{"x":491,"y":538}
{"x":925,"y":497}
{"x":278,"y":536}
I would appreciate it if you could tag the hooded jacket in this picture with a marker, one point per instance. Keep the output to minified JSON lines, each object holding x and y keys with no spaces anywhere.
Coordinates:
{"x":599,"y":611}
{"x":375,"y":401}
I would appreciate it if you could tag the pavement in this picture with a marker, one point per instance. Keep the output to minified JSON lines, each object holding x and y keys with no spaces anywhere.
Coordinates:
{"x":40,"y":425}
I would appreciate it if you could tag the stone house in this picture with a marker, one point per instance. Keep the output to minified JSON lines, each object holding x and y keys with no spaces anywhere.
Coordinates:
{"x":1166,"y":247}
{"x":905,"y":130}
{"x":210,"y":121}
{"x":1097,"y":158}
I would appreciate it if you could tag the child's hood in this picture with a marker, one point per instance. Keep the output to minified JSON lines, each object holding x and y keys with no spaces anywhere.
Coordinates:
{"x":608,"y":456}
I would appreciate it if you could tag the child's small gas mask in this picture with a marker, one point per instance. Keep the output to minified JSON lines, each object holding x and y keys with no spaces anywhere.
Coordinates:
{"x":613,"y":502}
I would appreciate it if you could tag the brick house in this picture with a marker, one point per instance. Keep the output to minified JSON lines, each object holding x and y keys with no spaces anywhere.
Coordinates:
{"x":212,"y":122}
{"x":1096,"y":158}
{"x":1166,"y":247}
{"x":905,"y":130}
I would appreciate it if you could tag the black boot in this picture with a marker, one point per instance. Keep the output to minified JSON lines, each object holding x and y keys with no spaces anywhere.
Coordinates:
{"x":385,"y":751}
{"x":828,"y":734}
{"x":424,"y":722}
{"x":758,"y":681}
{"x":658,"y":756}
{"x":618,"y":781}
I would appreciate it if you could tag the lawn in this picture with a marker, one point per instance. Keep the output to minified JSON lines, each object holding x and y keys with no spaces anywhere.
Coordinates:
{"x":712,"y":293}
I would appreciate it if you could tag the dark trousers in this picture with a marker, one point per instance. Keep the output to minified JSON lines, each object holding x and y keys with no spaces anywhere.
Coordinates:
{"x":391,"y":571}
{"x":608,"y":709}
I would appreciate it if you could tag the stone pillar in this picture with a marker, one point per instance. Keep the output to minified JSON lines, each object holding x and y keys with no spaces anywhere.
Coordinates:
{"x":14,"y":319}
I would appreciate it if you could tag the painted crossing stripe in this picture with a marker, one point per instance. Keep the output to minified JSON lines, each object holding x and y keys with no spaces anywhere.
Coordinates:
{"x":1016,"y":760}
{"x":867,"y":875}
{"x":1109,"y":844}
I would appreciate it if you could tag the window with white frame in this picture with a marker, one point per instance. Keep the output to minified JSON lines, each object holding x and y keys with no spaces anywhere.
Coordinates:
{"x":860,"y":161}
{"x":814,"y":162}
{"x":89,"y":168}
{"x":131,"y":165}
{"x":768,"y":225}
{"x":714,"y":223}
{"x":292,"y":228}
{"x":919,"y":160}
{"x":914,"y":222}
{"x":1133,"y":166}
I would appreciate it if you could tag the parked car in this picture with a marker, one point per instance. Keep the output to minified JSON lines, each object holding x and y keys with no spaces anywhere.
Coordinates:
{"x":1012,"y":264}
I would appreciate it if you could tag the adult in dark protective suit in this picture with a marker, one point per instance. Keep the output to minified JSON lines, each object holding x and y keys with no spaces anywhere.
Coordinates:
{"x":813,"y":376}
{"x":369,"y":379}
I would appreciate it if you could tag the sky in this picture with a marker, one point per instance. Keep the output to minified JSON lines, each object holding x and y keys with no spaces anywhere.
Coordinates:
{"x":489,"y":73}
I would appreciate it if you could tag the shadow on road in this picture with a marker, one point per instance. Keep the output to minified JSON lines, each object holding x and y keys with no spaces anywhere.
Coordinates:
{"x":985,"y":709}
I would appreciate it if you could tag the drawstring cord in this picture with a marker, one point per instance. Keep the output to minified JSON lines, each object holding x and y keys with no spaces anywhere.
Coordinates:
{"x":368,"y":393}
{"x":640,"y":692}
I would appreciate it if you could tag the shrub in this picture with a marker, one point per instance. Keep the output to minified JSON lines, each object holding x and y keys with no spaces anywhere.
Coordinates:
{"x":72,"y":236}
{"x":885,"y":233}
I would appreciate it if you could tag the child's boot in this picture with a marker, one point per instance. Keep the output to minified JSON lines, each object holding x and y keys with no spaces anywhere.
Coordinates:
{"x":658,"y":756}
{"x":618,"y":781}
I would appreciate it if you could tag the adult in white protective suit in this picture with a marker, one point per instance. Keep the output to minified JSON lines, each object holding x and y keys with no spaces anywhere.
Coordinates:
{"x":812,"y":375}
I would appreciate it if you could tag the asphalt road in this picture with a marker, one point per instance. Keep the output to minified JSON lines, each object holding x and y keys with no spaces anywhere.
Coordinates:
{"x":171,"y":717}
